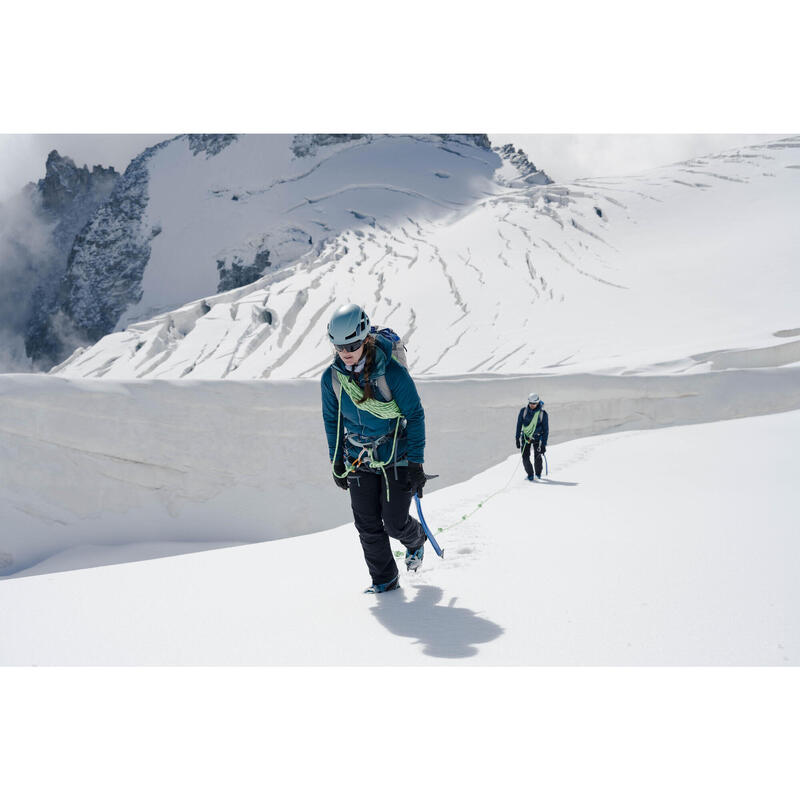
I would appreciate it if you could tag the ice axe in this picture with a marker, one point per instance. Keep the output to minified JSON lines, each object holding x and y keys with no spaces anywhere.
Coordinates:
{"x":431,"y":537}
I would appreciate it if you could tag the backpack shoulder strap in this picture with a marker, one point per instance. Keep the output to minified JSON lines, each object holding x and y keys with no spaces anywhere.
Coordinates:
{"x":383,"y":385}
{"x":399,"y":353}
{"x":381,"y":381}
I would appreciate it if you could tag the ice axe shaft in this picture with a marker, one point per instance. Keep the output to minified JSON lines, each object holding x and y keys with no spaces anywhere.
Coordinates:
{"x":431,"y":537}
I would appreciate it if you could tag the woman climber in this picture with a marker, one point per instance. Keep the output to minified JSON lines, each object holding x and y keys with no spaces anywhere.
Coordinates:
{"x":375,"y":426}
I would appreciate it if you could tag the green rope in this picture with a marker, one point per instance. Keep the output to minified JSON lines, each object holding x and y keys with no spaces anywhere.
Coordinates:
{"x":378,"y":409}
{"x":375,"y":407}
{"x":401,"y":553}
{"x":482,"y":503}
{"x":527,"y":430}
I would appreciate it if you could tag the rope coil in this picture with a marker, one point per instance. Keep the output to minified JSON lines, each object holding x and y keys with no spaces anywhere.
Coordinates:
{"x":377,"y":408}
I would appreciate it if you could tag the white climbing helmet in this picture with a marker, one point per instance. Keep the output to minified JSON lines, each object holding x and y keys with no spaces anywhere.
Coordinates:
{"x":349,"y":325}
{"x":533,"y":397}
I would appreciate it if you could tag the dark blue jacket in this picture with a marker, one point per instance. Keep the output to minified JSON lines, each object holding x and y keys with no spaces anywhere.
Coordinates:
{"x":542,"y":430}
{"x":366,"y":427}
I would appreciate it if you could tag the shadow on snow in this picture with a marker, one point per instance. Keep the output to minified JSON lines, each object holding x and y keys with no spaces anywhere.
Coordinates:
{"x":443,"y":631}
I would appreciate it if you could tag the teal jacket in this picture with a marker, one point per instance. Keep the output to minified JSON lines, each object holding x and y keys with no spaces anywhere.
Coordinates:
{"x":363,"y":426}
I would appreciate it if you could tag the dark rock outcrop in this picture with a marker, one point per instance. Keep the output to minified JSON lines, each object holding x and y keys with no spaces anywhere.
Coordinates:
{"x":477,"y":139}
{"x":67,"y":196}
{"x":239,"y":274}
{"x":65,"y":186}
{"x":527,"y":169}
{"x":307,"y":144}
{"x":108,"y":257}
{"x":209,"y":143}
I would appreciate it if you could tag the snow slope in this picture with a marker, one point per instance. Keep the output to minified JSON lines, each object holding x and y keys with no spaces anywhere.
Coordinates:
{"x":677,"y":269}
{"x":199,"y":214}
{"x":98,"y":471}
{"x":660,"y":299}
{"x":642,"y":548}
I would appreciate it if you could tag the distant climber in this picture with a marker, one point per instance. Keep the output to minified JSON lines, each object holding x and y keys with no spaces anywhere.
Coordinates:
{"x":534,"y":428}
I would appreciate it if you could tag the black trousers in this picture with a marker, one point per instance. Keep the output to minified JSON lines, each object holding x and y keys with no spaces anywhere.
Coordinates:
{"x":377,"y":519}
{"x":537,"y":457}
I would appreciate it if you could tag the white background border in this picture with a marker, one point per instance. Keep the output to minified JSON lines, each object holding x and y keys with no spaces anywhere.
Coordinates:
{"x":421,"y":66}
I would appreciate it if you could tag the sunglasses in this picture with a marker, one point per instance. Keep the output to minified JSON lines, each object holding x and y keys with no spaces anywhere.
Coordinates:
{"x":348,"y":348}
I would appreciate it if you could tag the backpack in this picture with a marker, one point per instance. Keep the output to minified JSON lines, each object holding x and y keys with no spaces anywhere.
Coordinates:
{"x":398,"y":354}
{"x":398,"y":348}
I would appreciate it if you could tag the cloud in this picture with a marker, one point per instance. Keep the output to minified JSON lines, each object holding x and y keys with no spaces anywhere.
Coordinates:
{"x":23,"y":156}
{"x":565,"y":157}
{"x":26,"y":261}
{"x":19,"y":163}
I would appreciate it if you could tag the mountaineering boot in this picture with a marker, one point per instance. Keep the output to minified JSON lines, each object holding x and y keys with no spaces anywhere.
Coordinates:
{"x":530,"y":477}
{"x":377,"y":588}
{"x":414,"y":558}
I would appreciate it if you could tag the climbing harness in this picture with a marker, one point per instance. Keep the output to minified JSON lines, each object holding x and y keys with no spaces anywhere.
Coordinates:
{"x":377,"y":408}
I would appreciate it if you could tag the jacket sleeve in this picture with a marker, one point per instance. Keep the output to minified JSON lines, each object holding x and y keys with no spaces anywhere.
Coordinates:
{"x":545,"y":428}
{"x":330,"y":414}
{"x":404,"y":392}
{"x":519,"y":424}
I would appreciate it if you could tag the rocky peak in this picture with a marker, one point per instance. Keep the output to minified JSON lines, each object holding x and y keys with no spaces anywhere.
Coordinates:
{"x":477,"y":139}
{"x":64,"y":182}
{"x":528,"y":171}
{"x":307,"y":144}
{"x":67,"y":196}
{"x":209,"y":143}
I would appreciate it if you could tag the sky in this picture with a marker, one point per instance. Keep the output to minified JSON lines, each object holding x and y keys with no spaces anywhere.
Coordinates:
{"x":563,"y":156}
{"x":23,"y":156}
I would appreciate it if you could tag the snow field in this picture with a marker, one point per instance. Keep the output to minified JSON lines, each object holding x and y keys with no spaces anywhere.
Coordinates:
{"x":619,"y":275}
{"x":92,"y":467}
{"x":642,"y":548}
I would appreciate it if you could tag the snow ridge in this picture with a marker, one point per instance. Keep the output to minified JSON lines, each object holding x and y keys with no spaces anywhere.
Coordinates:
{"x":485,"y":276}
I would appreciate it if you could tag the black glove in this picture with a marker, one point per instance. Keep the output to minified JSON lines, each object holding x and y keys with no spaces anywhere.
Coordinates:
{"x":543,"y":449}
{"x":517,"y":444}
{"x":416,"y":478}
{"x":338,"y":467}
